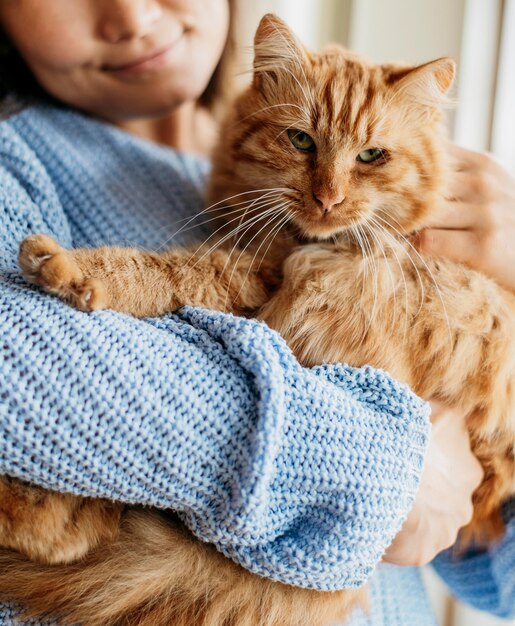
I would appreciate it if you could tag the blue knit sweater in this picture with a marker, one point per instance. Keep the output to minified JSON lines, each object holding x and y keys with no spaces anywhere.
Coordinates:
{"x":301,"y":475}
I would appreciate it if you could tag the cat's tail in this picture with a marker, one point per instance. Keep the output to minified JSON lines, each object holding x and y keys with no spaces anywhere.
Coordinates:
{"x":157,"y":574}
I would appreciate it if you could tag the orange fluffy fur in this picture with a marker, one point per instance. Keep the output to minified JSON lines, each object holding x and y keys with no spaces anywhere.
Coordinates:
{"x":320,"y":250}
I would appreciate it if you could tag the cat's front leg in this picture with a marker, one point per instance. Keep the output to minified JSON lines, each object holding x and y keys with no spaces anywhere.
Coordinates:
{"x":45,"y":263}
{"x":127,"y":280}
{"x":142,"y":283}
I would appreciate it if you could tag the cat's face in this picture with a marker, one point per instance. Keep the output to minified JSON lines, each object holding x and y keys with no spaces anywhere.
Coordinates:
{"x":349,"y":142}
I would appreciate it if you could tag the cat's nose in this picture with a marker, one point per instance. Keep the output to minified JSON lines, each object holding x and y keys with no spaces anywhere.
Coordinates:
{"x":328,"y":201}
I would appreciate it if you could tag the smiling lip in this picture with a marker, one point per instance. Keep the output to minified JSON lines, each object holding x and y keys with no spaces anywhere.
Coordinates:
{"x":151,"y":61}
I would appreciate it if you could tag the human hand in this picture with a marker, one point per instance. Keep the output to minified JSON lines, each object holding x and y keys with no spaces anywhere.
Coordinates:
{"x":444,"y":499}
{"x":476,"y":223}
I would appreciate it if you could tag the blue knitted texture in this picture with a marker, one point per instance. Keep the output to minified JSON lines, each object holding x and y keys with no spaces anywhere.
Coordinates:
{"x":301,"y":475}
{"x":485,"y":578}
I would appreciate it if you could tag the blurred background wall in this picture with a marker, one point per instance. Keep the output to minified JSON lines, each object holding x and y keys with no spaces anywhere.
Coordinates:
{"x":476,"y":33}
{"x":480,"y":36}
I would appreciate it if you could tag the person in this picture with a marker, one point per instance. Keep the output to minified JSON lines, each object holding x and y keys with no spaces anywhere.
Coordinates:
{"x":476,"y":226}
{"x":200,"y":412}
{"x":475,"y":223}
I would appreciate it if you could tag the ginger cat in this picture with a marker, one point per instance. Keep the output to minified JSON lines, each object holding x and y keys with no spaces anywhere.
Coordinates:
{"x":338,"y":161}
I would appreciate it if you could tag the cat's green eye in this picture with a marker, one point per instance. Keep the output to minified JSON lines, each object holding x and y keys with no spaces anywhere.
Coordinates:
{"x":301,"y":140}
{"x":371,"y":155}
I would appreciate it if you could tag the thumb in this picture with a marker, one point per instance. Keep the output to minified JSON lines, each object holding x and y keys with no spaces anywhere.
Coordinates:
{"x":456,"y":245}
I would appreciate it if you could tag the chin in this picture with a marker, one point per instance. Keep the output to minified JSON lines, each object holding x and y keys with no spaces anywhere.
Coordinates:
{"x":187,"y":88}
{"x":324,"y":228}
{"x":149,"y":103}
{"x":137,"y":111}
{"x":319,"y":230}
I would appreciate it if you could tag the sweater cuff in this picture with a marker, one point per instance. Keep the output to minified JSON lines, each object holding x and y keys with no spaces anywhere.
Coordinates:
{"x":357,"y":471}
{"x":330,"y":471}
{"x":343,"y":484}
{"x":484,"y":578}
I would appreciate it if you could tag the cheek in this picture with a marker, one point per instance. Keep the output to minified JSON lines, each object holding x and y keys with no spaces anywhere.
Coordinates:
{"x":50,"y":36}
{"x":210,"y":36}
{"x":207,"y":22}
{"x":212,"y":15}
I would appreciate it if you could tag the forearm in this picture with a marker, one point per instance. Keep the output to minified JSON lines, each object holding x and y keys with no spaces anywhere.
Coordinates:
{"x":212,"y":416}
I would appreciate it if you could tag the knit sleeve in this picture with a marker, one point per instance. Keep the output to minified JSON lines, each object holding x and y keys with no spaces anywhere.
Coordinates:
{"x":484,"y":578}
{"x":301,"y":475}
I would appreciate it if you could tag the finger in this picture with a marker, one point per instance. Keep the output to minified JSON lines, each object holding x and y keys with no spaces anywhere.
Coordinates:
{"x":461,"y":158}
{"x":455,"y":215}
{"x":438,"y":409}
{"x":457,"y":245}
{"x":464,"y":186}
{"x":477,"y":474}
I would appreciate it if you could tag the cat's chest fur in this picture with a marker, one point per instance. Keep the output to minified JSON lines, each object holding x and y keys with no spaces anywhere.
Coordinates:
{"x":393,"y":309}
{"x":447,"y":331}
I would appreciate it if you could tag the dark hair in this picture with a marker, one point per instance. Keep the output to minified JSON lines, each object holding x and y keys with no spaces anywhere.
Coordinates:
{"x":19,"y":88}
{"x":220,"y":87}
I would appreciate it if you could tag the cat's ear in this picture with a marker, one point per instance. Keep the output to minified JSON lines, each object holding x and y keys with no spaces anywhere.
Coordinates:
{"x":425,"y":84}
{"x":276,"y":49}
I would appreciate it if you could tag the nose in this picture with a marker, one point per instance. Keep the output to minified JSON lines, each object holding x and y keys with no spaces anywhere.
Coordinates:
{"x":128,"y":19}
{"x":328,"y":200}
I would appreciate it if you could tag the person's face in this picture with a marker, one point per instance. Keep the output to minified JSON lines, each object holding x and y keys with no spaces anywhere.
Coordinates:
{"x":119,"y":59}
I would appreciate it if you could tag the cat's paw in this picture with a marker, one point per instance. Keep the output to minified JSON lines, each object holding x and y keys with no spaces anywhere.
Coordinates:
{"x":45,"y":263}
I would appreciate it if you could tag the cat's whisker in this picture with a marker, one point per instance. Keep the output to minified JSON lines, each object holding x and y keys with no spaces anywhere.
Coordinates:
{"x":190,"y":218}
{"x":355,"y":230}
{"x":290,"y":215}
{"x":431,"y":275}
{"x":365,"y":249}
{"x":242,"y":234}
{"x":265,"y":212}
{"x":403,"y":276}
{"x":276,"y":214}
{"x":375,"y":236}
{"x":384,"y":224}
{"x":228,"y":235}
{"x":251,"y":208}
{"x":216,"y":207}
{"x":246,"y":225}
{"x":300,"y":65}
{"x":307,"y":98}
{"x":386,"y":234}
{"x":220,"y":241}
{"x":367,"y":253}
{"x":267,"y":108}
{"x":258,"y":202}
{"x":274,"y":231}
{"x":223,"y":238}
{"x":410,"y":258}
{"x":375,"y":273}
{"x":220,"y":202}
